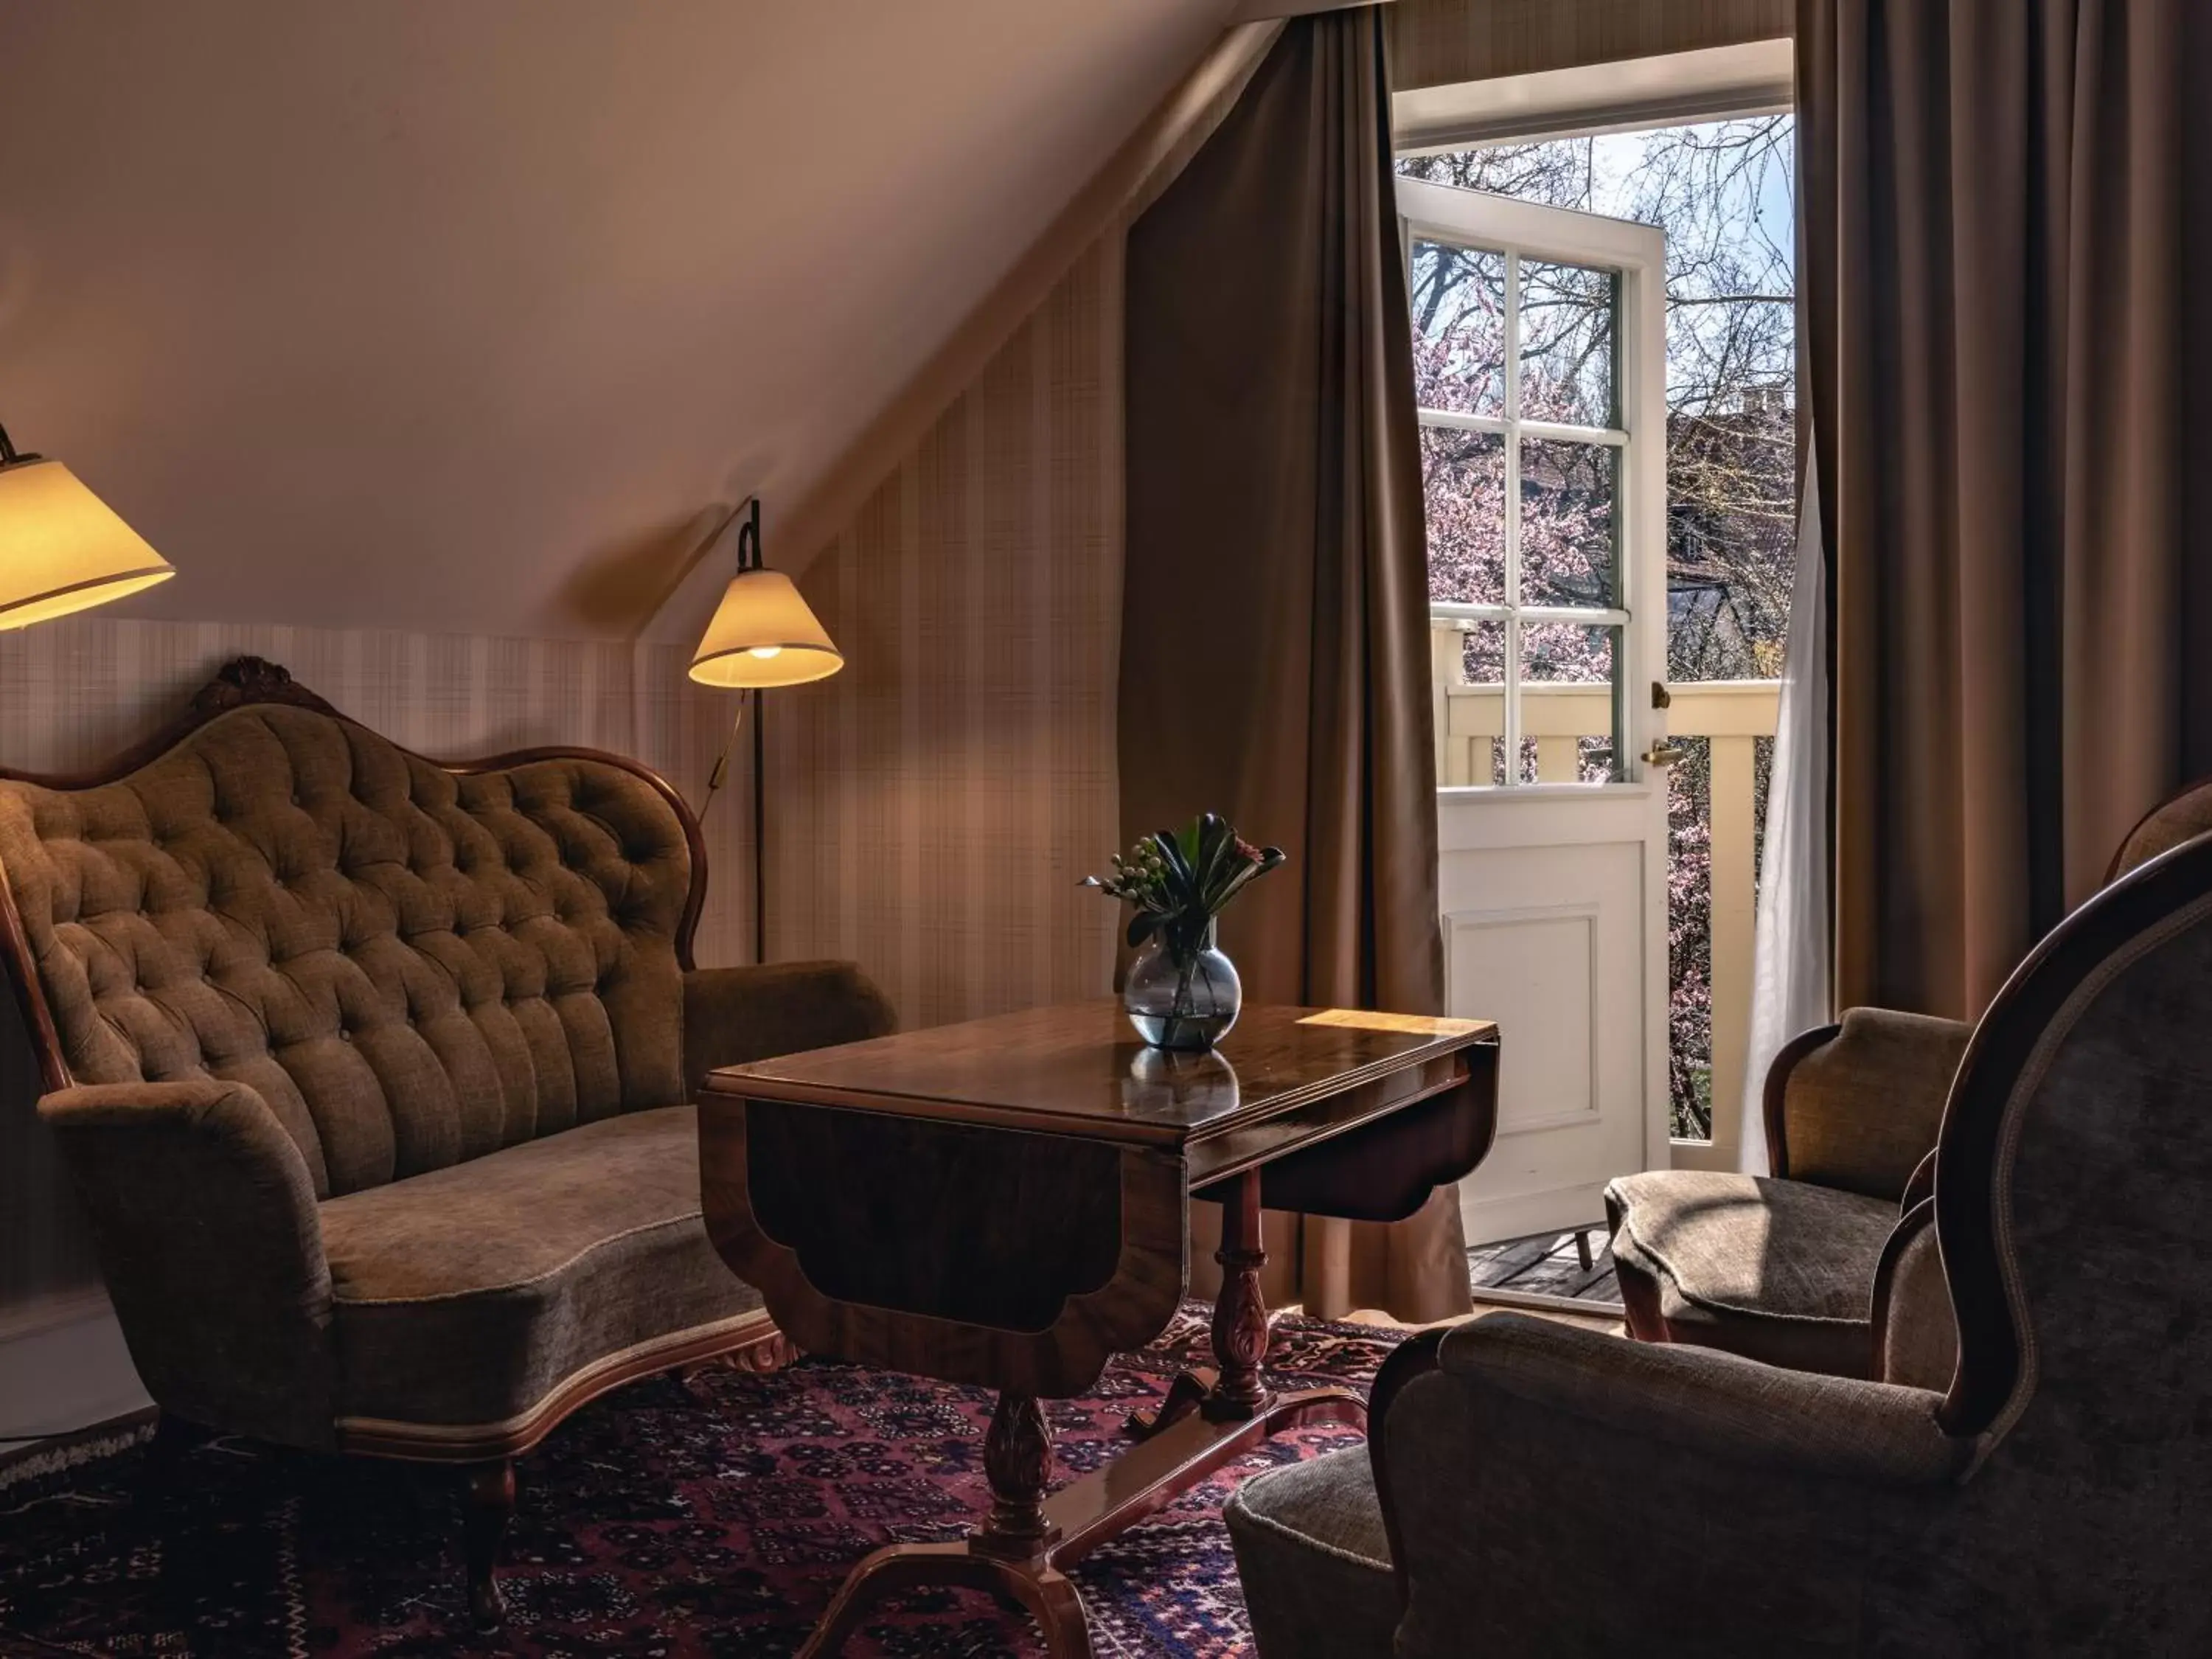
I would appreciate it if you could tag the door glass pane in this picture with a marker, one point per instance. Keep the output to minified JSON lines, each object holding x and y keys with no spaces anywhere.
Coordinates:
{"x":1463,"y":480}
{"x":1459,"y":328}
{"x":1567,"y":340}
{"x":1570,"y":704}
{"x":1570,"y":552}
{"x":1475,"y":709}
{"x":1516,"y":520}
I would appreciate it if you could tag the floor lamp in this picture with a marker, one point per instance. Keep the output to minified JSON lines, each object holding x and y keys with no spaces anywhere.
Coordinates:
{"x":764,"y":634}
{"x":62,"y":549}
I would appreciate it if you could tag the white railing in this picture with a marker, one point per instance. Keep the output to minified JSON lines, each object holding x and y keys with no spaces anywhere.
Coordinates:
{"x":1733,"y":714}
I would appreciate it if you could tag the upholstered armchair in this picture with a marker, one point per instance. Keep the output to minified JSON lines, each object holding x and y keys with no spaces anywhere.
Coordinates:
{"x":374,"y":1076}
{"x":1781,"y":1268}
{"x":2024,"y":1475}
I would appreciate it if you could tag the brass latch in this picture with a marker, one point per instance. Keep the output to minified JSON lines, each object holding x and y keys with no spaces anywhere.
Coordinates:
{"x":1665,"y":754}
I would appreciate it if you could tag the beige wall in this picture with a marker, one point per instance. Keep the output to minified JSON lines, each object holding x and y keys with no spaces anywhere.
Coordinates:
{"x":76,"y":691}
{"x":932,"y":808}
{"x":431,"y":316}
{"x":1435,"y":42}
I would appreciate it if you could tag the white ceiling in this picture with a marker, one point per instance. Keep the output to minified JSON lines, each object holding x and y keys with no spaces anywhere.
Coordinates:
{"x":471,"y":316}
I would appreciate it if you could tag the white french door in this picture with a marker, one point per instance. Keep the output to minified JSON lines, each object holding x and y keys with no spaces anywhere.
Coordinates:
{"x":1540,"y":336}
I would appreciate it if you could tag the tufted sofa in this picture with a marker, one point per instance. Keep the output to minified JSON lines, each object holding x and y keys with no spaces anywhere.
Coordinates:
{"x":373,"y":1075}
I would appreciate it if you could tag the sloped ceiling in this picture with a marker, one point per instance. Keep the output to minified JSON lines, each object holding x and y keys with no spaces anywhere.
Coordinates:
{"x":474,"y":316}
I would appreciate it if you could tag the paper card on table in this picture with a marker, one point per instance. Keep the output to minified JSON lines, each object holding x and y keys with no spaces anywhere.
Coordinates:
{"x":1364,"y":1019}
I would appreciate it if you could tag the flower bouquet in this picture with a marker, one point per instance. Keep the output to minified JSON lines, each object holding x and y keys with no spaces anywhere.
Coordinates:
{"x":1182,"y":991}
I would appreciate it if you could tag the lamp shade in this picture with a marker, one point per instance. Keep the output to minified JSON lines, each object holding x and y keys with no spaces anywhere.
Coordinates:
{"x":62,"y":549}
{"x":764,"y":633}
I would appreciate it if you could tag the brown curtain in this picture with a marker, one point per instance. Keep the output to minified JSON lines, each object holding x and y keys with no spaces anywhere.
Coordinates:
{"x":1437,"y":42}
{"x":1274,"y":639}
{"x":2006,"y":360}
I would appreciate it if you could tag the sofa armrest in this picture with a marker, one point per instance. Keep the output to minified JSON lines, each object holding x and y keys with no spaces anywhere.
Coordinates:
{"x":1856,"y":1107}
{"x":732,"y":1015}
{"x":203,"y":1216}
{"x":1522,"y":1448}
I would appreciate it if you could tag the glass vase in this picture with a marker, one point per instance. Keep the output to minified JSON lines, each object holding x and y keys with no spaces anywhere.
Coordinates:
{"x":1182,"y":991}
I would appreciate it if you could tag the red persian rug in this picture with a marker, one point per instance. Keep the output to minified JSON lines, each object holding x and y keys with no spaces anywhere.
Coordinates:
{"x":667,"y":1521}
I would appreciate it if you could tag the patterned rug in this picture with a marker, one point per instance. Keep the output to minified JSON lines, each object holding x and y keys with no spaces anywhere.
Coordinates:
{"x":669,"y":1520}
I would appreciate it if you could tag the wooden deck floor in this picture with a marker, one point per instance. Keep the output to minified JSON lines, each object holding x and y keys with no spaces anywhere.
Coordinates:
{"x":1546,"y":1264}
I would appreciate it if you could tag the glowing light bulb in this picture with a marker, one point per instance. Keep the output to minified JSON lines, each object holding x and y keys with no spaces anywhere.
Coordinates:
{"x":764,"y":652}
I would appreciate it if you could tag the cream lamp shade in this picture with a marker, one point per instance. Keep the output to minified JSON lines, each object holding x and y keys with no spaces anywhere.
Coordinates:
{"x":764,"y":634}
{"x":62,"y":549}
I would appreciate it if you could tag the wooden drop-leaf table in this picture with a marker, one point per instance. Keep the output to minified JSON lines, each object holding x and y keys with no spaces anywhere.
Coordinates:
{"x":1004,"y":1203}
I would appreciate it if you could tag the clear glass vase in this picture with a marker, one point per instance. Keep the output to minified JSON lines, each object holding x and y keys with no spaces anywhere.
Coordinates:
{"x":1182,"y":991}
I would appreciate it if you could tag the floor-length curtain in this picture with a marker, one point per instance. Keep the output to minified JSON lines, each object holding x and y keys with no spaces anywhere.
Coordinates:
{"x":2007,"y":356}
{"x":1791,"y":954}
{"x":1274,"y":651}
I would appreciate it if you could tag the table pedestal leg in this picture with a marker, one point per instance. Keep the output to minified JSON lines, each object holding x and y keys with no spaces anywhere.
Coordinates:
{"x":1017,"y":1462}
{"x":1024,"y":1545}
{"x":1230,"y":1389}
{"x":1240,"y":1312}
{"x":1038,"y":1585}
{"x":1189,"y":1391}
{"x":1009,"y":1553}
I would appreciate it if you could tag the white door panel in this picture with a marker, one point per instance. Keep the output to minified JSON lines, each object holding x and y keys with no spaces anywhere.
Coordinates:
{"x":1553,"y":892}
{"x":1535,"y":968}
{"x":1545,"y":906}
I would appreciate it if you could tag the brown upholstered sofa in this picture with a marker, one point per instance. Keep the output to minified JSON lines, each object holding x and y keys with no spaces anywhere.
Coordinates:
{"x":2023,"y":1473}
{"x":372,"y":1074}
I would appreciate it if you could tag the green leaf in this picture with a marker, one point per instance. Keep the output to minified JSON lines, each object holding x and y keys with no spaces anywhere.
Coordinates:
{"x":1217,"y":844}
{"x":1181,"y":880}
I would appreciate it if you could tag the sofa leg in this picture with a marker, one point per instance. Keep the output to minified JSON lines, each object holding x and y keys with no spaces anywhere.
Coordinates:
{"x":761,"y":1357}
{"x":490,"y":1505}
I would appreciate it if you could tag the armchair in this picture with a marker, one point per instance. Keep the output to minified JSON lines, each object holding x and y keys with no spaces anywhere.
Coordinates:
{"x":2039,"y":1492}
{"x":1779,"y":1267}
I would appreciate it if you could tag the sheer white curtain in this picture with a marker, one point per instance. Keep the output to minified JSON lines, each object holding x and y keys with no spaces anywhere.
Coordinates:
{"x":1791,"y":954}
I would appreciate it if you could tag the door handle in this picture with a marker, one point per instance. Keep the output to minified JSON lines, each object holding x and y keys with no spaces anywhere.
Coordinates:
{"x":1665,"y":754}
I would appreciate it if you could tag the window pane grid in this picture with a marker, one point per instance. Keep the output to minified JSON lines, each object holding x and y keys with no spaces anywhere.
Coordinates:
{"x":1460,"y":421}
{"x":1581,"y":503}
{"x":1451,"y":611}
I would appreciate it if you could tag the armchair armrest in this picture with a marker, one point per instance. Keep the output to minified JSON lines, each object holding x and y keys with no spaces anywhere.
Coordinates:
{"x":1857,"y":1106}
{"x":1520,"y":1445}
{"x":1709,"y":1403}
{"x":732,"y":1015}
{"x":203,"y":1216}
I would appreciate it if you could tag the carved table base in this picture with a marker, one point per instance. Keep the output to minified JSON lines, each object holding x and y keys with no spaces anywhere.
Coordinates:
{"x":1025,"y":1546}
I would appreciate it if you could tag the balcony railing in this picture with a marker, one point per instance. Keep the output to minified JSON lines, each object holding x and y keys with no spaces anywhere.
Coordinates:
{"x":1732,"y":715}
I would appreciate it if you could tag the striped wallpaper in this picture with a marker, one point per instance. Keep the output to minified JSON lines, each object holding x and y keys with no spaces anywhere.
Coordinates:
{"x":931,"y":807}
{"x":75,"y":692}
